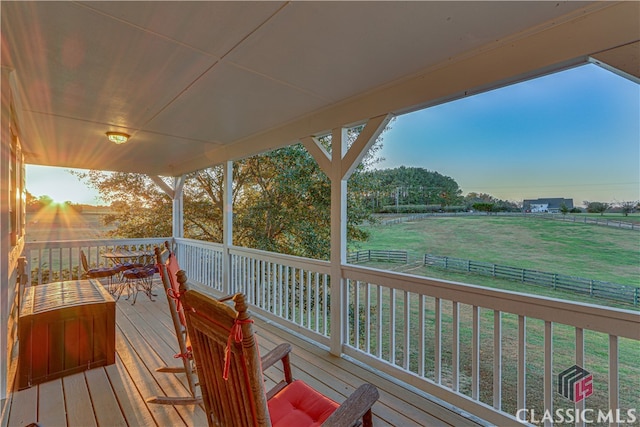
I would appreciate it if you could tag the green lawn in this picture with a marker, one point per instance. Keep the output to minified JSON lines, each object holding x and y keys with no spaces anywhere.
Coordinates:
{"x":583,"y":250}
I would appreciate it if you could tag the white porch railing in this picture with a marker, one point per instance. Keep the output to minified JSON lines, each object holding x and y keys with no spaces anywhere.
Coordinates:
{"x":492,"y":353}
{"x":60,"y":260}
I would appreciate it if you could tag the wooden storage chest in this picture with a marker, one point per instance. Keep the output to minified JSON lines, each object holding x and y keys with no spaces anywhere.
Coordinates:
{"x":64,"y":328}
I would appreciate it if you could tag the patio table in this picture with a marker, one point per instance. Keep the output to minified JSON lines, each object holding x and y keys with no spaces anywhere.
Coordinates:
{"x":124,"y":255}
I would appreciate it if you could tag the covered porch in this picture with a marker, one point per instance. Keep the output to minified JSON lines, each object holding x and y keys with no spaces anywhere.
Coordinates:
{"x":207,"y":83}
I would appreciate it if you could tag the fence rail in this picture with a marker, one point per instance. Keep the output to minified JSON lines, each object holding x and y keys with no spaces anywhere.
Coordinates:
{"x":377,"y":255}
{"x":594,"y":288}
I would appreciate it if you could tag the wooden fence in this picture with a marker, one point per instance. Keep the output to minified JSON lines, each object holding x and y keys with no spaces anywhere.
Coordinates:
{"x":594,"y":288}
{"x":583,"y":219}
{"x":377,"y":255}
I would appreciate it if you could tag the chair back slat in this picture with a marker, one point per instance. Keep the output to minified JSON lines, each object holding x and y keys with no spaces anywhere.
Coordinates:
{"x":240,"y":399}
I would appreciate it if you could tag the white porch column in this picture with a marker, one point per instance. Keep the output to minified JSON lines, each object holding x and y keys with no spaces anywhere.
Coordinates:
{"x":227,"y":226}
{"x":178,"y":207}
{"x":338,"y":239}
{"x":339,"y":166}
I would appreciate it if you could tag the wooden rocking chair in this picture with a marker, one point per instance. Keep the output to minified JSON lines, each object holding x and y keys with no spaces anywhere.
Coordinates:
{"x":168,"y":266}
{"x":230,"y":372}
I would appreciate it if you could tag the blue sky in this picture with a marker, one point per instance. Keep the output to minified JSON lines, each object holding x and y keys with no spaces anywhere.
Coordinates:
{"x":573,"y":134}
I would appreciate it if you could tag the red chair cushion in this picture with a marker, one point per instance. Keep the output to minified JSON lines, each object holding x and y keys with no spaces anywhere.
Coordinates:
{"x":299,"y":405}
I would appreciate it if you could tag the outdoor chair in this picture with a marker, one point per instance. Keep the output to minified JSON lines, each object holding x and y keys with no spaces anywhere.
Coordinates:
{"x":167,"y":265}
{"x":230,"y":373}
{"x":100,"y":272}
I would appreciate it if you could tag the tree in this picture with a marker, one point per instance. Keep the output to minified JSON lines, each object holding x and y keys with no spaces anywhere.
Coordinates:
{"x":564,"y":209}
{"x":411,"y":187}
{"x":498,"y":205}
{"x":484,"y":207}
{"x":628,"y":207}
{"x":597,"y":207}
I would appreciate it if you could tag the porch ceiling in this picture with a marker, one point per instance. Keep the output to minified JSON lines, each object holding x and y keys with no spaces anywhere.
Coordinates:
{"x":198,"y":83}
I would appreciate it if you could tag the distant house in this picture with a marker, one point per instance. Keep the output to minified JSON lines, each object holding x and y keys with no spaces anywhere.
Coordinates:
{"x":552,"y":205}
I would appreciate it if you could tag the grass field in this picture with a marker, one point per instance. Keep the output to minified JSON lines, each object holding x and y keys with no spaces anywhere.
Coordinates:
{"x":58,"y":224}
{"x":582,"y":250}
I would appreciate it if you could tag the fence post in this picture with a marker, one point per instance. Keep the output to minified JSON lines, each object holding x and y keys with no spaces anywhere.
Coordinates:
{"x":635,"y":296}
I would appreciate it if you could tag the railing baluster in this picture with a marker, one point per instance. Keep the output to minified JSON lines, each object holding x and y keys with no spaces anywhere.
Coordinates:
{"x":580,"y":362}
{"x":367,"y":317}
{"x":379,"y":319}
{"x":437,"y":342}
{"x":356,"y":313}
{"x":309,"y":307}
{"x":455,"y":354}
{"x":475,"y":354}
{"x":548,"y":369}
{"x":288,"y":286}
{"x":317,"y":303}
{"x":497,"y":360}
{"x":421,"y":335}
{"x":407,"y":330}
{"x":325,"y":293}
{"x":392,"y":326}
{"x":614,"y":402}
{"x":522,"y":363}
{"x":300,"y":295}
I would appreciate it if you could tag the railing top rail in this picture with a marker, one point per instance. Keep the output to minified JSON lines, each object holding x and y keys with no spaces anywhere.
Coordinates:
{"x":198,"y":243}
{"x":293,"y":261}
{"x":53,"y":244}
{"x":614,"y":321}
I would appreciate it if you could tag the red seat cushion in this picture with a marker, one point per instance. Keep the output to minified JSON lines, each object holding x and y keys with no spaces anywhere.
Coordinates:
{"x":299,"y":405}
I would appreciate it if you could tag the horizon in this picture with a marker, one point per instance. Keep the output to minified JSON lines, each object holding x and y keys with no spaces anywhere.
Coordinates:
{"x":498,"y":142}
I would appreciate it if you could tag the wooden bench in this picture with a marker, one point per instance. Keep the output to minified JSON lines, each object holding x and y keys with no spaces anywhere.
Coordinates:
{"x":64,"y":328}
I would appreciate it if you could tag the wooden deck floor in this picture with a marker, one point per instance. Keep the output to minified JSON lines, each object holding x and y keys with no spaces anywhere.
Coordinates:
{"x":116,"y":395}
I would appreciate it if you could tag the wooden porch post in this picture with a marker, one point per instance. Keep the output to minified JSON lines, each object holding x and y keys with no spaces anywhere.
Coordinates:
{"x":227,"y":226}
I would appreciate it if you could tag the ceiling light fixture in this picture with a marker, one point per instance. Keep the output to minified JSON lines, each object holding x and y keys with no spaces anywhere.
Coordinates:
{"x":118,"y":137}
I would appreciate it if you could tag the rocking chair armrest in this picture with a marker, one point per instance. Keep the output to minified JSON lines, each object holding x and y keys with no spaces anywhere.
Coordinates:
{"x":279,"y":353}
{"x":357,"y":406}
